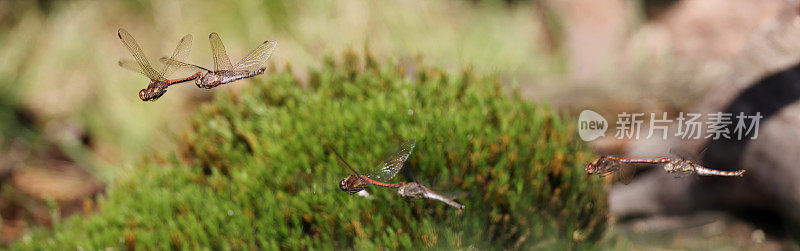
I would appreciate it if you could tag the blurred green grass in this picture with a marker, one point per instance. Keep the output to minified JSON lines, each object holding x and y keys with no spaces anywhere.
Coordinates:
{"x":252,"y":171}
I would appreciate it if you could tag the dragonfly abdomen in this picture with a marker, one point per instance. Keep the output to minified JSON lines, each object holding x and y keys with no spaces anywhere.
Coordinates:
{"x":711,"y":172}
{"x":231,"y":76}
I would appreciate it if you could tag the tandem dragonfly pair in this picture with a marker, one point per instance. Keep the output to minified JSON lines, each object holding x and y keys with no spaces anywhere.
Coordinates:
{"x":224,"y":72}
{"x":381,"y":175}
{"x":624,"y":169}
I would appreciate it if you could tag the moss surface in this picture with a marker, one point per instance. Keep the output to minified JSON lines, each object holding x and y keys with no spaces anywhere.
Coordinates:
{"x":253,"y":169}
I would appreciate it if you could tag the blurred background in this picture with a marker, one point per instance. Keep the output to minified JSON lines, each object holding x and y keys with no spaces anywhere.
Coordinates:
{"x":71,"y":121}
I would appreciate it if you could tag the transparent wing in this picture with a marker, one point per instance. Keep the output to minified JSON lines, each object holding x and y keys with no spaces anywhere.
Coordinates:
{"x":624,"y":175}
{"x":258,"y":58}
{"x":180,"y":64}
{"x":389,"y":168}
{"x":626,"y":172}
{"x":180,"y":53}
{"x":138,"y":55}
{"x":221,"y":59}
{"x":131,"y":65}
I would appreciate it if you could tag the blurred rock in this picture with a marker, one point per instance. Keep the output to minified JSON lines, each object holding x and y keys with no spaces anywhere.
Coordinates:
{"x":698,"y":231}
{"x":594,"y":31}
{"x":31,"y":184}
{"x":58,"y":180}
{"x":713,"y":30}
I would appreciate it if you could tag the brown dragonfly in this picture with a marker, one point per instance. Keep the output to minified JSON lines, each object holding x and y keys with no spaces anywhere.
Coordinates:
{"x":158,"y":81}
{"x":623,"y":168}
{"x":415,"y":190}
{"x":381,"y":175}
{"x":224,"y":72}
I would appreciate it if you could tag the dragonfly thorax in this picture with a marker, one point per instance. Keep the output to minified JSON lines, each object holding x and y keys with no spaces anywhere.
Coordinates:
{"x":679,"y":165}
{"x":411,"y":190}
{"x":208,"y":80}
{"x":352,"y":183}
{"x":599,"y":166}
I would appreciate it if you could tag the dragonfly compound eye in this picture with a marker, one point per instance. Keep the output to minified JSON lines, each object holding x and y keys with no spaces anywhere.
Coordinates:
{"x":342,"y":185}
{"x":143,"y":94}
{"x":588,"y":169}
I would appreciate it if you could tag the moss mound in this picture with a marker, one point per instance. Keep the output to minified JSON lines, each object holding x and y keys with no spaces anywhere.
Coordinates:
{"x":253,"y":171}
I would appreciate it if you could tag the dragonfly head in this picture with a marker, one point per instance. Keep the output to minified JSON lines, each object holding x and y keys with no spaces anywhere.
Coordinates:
{"x":589,"y":168}
{"x":151,"y":94}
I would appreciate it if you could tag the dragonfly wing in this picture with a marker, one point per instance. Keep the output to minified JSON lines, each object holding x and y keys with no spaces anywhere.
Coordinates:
{"x":176,"y":63}
{"x":258,"y":58}
{"x":624,"y":175}
{"x":180,"y":53}
{"x":138,"y":55}
{"x":627,"y":171}
{"x":131,"y":65}
{"x":389,"y":168}
{"x":221,"y":59}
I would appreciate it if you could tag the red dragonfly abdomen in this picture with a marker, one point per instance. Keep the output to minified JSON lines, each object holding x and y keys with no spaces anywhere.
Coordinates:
{"x":648,"y":161}
{"x":382,"y":184}
{"x":177,"y":81}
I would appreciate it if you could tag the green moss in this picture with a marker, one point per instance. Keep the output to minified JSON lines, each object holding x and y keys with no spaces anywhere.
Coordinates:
{"x":253,"y":169}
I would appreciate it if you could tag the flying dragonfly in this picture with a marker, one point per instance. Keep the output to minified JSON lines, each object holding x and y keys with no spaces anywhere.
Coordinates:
{"x":158,"y":81}
{"x":623,"y":168}
{"x":224,"y":72}
{"x":381,"y":174}
{"x":418,"y":191}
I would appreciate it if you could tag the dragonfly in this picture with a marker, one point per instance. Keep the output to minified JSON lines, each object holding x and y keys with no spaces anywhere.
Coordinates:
{"x":622,"y":168}
{"x":224,"y":72}
{"x":415,"y":190}
{"x":381,"y":175}
{"x":158,"y":81}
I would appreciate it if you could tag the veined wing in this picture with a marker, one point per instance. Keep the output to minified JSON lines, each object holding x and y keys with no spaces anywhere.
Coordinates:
{"x":258,"y":58}
{"x":173,"y":62}
{"x":131,"y":65}
{"x":180,"y":53}
{"x":221,"y":59}
{"x":392,"y":165}
{"x":138,"y":55}
{"x":625,"y":173}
